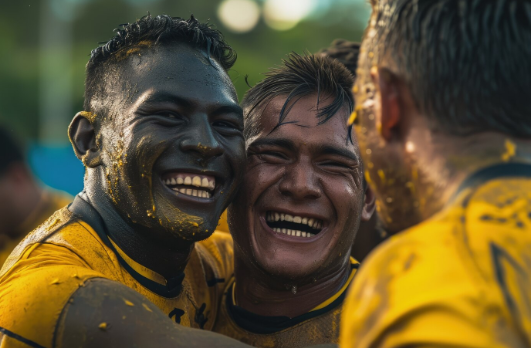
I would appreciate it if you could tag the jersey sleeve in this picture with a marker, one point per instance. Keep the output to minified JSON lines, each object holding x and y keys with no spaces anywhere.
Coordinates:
{"x":409,"y":294}
{"x":34,"y":291}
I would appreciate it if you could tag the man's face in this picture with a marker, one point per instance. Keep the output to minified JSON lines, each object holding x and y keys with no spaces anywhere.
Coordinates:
{"x":298,"y":211}
{"x":391,"y":170}
{"x":172,"y":145}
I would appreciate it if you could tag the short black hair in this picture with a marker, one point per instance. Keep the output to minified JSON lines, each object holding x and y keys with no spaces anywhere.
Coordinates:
{"x":148,"y":31}
{"x":299,"y":76}
{"x":467,"y":63}
{"x":346,"y":52}
{"x":10,"y":150}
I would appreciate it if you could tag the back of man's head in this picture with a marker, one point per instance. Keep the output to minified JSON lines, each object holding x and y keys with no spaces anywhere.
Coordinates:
{"x":297,"y":77}
{"x":467,"y":63}
{"x":149,"y":32}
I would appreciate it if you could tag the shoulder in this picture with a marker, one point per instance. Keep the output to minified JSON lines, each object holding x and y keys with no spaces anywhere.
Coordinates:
{"x":218,"y":252}
{"x":424,"y":272}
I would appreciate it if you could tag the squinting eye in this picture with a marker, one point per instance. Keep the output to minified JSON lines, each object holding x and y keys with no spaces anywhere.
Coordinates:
{"x":225,"y":124}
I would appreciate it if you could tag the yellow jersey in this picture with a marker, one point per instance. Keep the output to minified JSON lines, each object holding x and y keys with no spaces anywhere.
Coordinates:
{"x":51,"y":201}
{"x":460,"y":279}
{"x":71,"y":247}
{"x":319,"y":326}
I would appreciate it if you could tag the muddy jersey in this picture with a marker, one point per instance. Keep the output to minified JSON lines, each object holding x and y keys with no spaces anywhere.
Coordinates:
{"x":50,"y":201}
{"x":319,"y":326}
{"x":72,"y":247}
{"x":459,"y":279}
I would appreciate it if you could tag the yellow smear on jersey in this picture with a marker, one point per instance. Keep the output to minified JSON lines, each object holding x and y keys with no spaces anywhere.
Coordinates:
{"x":129,"y":303}
{"x":143,"y":270}
{"x":103,"y":326}
{"x":510,"y":150}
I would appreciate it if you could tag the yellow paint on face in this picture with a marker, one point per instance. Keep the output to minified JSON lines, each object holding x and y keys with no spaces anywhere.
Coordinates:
{"x":88,"y":115}
{"x":352,"y":118}
{"x":510,"y":150}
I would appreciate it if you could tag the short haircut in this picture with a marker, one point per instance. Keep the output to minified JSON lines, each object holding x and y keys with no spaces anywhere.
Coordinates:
{"x":346,"y":52}
{"x":297,"y":77}
{"x":142,"y":34}
{"x":467,"y":63}
{"x":10,"y":150}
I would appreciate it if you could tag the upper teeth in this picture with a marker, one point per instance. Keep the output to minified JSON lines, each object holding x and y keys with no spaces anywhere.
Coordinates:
{"x":313,"y":223}
{"x":192,"y":180}
{"x":195,"y":181}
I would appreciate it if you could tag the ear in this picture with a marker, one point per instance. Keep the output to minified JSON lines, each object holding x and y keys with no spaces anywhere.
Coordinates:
{"x":390,"y":109}
{"x":369,"y":205}
{"x":83,"y":138}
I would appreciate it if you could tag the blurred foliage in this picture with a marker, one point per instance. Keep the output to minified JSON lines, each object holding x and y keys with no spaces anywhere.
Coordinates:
{"x":257,"y":50}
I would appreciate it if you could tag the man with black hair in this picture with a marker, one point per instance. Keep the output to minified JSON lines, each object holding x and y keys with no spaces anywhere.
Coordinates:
{"x":24,"y":204}
{"x":444,"y":127}
{"x":161,"y":140}
{"x":370,"y":233}
{"x":298,"y":210}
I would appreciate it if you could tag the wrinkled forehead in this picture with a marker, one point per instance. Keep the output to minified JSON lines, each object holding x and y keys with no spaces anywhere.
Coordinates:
{"x":300,"y":122}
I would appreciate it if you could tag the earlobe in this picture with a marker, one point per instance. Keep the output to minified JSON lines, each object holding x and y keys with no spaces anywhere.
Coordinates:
{"x":389,"y":101}
{"x":369,"y":205}
{"x":82,"y":135}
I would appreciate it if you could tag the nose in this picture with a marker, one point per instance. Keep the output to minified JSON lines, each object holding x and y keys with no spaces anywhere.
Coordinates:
{"x":200,"y":140}
{"x":300,"y":182}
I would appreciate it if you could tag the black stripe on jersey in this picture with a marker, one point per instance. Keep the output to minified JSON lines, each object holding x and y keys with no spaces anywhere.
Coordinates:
{"x":214,"y":281}
{"x":502,"y":170}
{"x":87,"y":213}
{"x":20,"y":338}
{"x":261,"y":324}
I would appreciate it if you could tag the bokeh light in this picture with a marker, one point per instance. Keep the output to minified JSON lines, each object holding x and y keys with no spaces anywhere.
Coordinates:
{"x":285,"y":14}
{"x":239,"y":16}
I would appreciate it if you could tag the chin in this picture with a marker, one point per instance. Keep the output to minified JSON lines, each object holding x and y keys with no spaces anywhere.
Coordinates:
{"x":289,"y":269}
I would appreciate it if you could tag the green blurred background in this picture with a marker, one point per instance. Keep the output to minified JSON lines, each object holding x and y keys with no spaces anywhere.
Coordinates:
{"x":45,"y":45}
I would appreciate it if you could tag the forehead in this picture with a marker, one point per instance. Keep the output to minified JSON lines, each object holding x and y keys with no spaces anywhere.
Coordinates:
{"x":301,"y":124}
{"x":177,"y":69}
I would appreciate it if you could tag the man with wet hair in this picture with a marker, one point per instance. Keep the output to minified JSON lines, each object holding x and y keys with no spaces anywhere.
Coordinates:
{"x":295,"y":218}
{"x":370,"y":233}
{"x":444,"y":127}
{"x":161,"y":140}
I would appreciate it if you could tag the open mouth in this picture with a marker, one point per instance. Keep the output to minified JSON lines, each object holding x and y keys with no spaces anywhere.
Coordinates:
{"x":293,"y":225}
{"x":194,"y":185}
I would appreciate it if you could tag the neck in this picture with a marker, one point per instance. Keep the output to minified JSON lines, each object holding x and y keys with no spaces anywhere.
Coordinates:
{"x":267,"y":295}
{"x":452,"y":159}
{"x":136,"y":240}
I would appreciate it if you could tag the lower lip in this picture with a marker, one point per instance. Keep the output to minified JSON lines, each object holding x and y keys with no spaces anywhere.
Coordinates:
{"x":291,"y":238}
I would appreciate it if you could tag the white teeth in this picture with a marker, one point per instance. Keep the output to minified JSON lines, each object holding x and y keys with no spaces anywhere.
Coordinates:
{"x":288,"y":218}
{"x":304,"y":234}
{"x":297,"y":219}
{"x":298,"y":233}
{"x":182,"y":191}
{"x":188,"y":181}
{"x":282,"y":217}
{"x":310,"y":222}
{"x":305,"y":221}
{"x":194,"y":193}
{"x":204,"y":182}
{"x":277,"y":216}
{"x":310,"y":235}
{"x":173,"y":181}
{"x":283,"y":230}
{"x":189,"y":192}
{"x":180,"y":181}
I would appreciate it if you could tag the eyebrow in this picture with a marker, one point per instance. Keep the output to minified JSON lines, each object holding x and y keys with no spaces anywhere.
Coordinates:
{"x":332,"y":150}
{"x":164,"y":97}
{"x":285,"y":143}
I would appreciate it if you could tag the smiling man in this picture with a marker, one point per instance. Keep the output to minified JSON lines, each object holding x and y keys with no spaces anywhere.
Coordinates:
{"x":161,"y":140}
{"x":296,"y":216}
{"x":445,"y":130}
